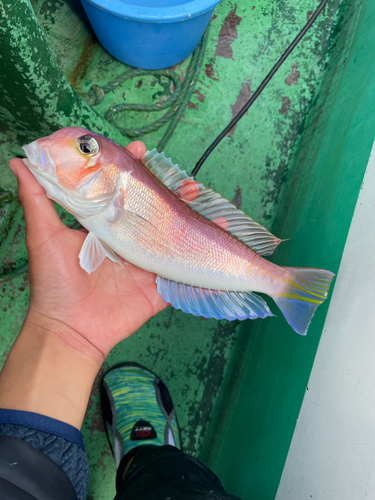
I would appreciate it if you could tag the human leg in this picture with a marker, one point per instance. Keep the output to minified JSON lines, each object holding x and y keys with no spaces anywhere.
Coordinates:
{"x":143,"y":432}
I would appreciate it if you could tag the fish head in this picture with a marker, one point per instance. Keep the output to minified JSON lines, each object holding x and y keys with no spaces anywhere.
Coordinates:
{"x":75,"y":163}
{"x":72,"y":156}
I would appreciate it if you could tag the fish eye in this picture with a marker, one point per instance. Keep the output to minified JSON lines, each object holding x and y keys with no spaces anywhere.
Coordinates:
{"x":88,"y":145}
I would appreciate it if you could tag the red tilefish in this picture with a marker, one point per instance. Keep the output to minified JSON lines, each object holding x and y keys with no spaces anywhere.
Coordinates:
{"x":208,"y":255}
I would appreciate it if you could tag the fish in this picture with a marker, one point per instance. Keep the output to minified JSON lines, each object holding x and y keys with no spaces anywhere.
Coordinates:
{"x":209,"y":257}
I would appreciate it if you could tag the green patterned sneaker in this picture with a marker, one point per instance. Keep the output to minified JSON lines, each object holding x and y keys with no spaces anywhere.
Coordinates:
{"x":137,"y":410}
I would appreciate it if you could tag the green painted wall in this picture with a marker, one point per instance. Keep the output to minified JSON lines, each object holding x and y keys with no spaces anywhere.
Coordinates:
{"x":251,"y":443}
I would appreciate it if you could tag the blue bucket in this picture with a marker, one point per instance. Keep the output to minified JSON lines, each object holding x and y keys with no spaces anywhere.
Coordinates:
{"x":149,"y":34}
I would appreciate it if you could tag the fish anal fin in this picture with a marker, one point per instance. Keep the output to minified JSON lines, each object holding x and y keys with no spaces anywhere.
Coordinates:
{"x":216,"y":304}
{"x":210,"y":204}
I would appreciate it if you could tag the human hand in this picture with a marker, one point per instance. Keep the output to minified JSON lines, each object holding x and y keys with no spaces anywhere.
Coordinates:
{"x":91,"y":313}
{"x":74,"y":318}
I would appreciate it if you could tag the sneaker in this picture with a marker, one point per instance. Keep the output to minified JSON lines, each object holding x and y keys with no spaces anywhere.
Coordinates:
{"x":137,"y":410}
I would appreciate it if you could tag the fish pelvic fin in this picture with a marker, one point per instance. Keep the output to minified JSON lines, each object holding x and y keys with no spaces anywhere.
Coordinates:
{"x":306,"y":289}
{"x":218,"y":304}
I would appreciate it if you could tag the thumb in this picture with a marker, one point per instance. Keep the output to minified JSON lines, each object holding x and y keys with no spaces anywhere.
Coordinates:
{"x":137,"y":148}
{"x":40,"y":214}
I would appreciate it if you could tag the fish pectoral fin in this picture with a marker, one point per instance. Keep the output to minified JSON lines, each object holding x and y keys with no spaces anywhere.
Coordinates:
{"x":216,"y":304}
{"x":93,"y":252}
{"x":210,"y":204}
{"x":111,"y":254}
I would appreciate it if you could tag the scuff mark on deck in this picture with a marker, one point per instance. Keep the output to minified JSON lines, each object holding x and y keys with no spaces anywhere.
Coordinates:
{"x":191,"y":105}
{"x":292,"y":79}
{"x":237,"y":198}
{"x":201,"y":97}
{"x":210,"y":72}
{"x":277,"y":176}
{"x":228,"y":34}
{"x":285,"y":105}
{"x":80,"y":69}
{"x":242,"y":98}
{"x":210,"y":373}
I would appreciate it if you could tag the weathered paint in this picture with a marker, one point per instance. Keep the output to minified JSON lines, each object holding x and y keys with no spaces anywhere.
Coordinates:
{"x":36,"y":99}
{"x":262,"y":164}
{"x":248,"y":448}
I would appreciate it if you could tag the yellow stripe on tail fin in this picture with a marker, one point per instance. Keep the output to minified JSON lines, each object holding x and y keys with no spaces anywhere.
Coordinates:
{"x":306,"y":289}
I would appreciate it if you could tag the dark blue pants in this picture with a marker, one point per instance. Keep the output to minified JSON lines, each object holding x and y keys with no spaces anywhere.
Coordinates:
{"x":44,"y":459}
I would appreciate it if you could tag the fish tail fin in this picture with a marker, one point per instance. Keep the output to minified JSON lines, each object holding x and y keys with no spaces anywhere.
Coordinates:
{"x":305,"y":290}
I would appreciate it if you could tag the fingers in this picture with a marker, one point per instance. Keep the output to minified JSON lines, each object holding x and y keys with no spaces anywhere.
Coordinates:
{"x":137,"y":148}
{"x":189,"y":190}
{"x":40,"y":214}
{"x":221,"y":222}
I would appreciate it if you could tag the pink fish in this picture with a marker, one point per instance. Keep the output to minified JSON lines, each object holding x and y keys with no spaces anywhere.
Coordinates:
{"x":207,"y":254}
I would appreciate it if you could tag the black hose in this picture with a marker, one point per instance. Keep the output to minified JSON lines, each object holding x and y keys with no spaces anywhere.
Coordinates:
{"x":261,"y":87}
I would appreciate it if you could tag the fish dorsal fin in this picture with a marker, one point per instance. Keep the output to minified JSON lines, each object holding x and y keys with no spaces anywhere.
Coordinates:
{"x":211,"y":204}
{"x":216,"y":304}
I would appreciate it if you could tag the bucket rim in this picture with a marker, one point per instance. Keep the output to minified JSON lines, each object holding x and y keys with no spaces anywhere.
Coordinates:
{"x":157,"y":15}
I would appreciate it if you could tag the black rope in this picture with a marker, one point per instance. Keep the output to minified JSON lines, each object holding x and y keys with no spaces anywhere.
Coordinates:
{"x":259,"y":90}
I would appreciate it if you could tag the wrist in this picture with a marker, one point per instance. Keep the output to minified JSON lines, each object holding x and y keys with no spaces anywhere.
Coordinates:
{"x":60,"y":334}
{"x":45,"y":374}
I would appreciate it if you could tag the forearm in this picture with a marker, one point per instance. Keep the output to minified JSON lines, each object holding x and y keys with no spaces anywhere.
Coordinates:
{"x":44,"y":374}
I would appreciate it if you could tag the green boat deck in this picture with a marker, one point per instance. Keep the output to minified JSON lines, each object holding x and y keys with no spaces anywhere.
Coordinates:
{"x":294,"y":163}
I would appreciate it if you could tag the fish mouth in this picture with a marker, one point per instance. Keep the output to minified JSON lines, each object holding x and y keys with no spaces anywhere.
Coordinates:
{"x":43,"y":168}
{"x":39,"y":159}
